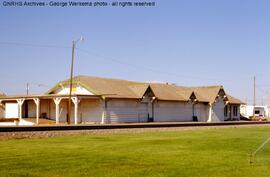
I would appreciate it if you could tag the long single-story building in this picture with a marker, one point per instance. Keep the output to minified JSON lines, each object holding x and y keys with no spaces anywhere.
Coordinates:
{"x":105,"y":101}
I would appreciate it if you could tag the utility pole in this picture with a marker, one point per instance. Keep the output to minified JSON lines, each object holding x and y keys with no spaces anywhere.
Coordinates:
{"x":27,"y":88}
{"x":268,"y":107}
{"x":71,"y":78}
{"x":254,"y":95}
{"x":70,"y":83}
{"x":35,"y":84}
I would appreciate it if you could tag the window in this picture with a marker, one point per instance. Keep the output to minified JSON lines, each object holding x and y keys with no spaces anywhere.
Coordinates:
{"x":226,"y":111}
{"x":257,"y":112}
{"x":235,"y":111}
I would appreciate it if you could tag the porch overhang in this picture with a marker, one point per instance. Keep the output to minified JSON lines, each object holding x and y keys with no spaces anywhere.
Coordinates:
{"x":56,"y":98}
{"x":49,"y":96}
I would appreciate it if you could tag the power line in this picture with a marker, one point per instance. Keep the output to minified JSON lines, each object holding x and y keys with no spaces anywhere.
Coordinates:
{"x":262,"y":90}
{"x":141,"y":67}
{"x":32,"y":45}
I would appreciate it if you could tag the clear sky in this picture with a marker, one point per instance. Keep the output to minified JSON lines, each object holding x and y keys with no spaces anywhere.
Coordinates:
{"x":188,"y":42}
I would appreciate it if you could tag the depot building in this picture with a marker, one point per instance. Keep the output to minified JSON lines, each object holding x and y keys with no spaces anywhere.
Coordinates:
{"x":105,"y":101}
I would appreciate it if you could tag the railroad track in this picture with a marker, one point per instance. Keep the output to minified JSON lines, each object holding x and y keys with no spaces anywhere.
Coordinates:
{"x":123,"y":126}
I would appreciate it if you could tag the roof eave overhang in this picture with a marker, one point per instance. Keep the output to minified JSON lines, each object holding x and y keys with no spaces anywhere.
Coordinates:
{"x":47,"y":96}
{"x":175,"y":100}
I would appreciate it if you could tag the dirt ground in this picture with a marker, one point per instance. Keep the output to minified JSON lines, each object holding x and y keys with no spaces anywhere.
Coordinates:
{"x":46,"y":134}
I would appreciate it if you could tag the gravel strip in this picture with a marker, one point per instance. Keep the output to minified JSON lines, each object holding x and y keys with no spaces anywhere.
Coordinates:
{"x":47,"y":134}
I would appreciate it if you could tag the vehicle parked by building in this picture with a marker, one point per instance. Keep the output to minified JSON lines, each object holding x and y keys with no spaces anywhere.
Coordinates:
{"x":255,"y":113}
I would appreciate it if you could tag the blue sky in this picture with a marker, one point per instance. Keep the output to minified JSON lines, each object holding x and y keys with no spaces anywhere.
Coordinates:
{"x":188,"y":42}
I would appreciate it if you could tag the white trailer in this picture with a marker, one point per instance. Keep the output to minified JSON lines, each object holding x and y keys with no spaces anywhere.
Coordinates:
{"x":258,"y":111}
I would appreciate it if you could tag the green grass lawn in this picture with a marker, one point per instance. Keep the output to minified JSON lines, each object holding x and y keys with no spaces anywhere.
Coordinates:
{"x":201,"y":152}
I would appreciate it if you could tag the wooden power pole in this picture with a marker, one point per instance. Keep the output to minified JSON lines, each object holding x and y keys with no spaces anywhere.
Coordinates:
{"x":71,"y":77}
{"x":70,"y":83}
{"x":27,"y":88}
{"x":268,"y":107}
{"x":254,"y":95}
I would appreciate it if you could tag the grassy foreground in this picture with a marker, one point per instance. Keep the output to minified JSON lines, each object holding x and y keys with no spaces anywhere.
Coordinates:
{"x":200,"y":152}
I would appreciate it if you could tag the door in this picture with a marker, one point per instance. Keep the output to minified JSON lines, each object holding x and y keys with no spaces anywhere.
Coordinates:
{"x":12,"y":110}
{"x":143,"y":112}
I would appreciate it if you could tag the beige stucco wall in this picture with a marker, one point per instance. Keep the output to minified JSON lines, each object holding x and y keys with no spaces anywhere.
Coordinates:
{"x":123,"y":110}
{"x":168,"y":111}
{"x":62,"y":110}
{"x":31,"y":108}
{"x":47,"y":109}
{"x":90,"y":111}
{"x":201,"y":111}
{"x":218,"y":110}
{"x":131,"y":110}
{"x":44,"y":108}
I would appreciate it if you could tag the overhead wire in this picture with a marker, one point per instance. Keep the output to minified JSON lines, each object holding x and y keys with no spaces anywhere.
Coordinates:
{"x":143,"y":67}
{"x":118,"y":61}
{"x":140,"y":67}
{"x":33,"y":45}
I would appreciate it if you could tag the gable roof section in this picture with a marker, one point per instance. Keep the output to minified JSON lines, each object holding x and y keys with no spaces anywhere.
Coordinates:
{"x":233,"y":100}
{"x":139,"y":89}
{"x":167,"y":92}
{"x":207,"y":93}
{"x":116,"y":88}
{"x":111,"y":88}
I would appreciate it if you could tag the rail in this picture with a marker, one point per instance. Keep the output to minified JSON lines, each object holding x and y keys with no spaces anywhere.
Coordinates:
{"x":122,"y":126}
